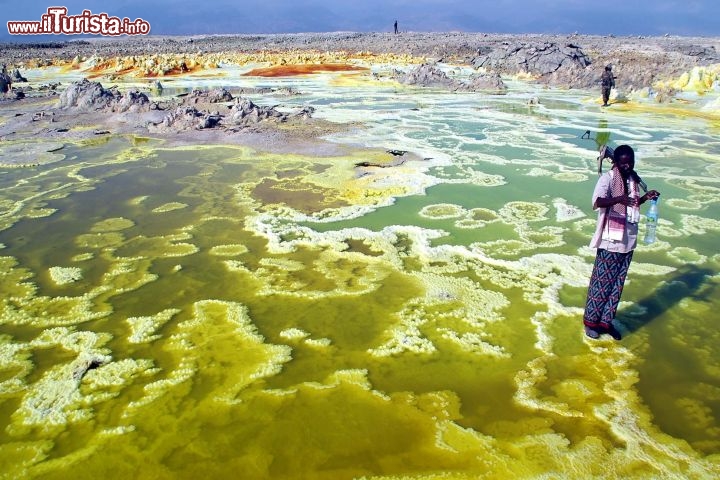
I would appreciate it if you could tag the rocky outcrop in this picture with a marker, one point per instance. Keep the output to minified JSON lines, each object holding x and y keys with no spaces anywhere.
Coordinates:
{"x":427,"y":75}
{"x":133,"y":101}
{"x":245,"y":112}
{"x":536,"y":59}
{"x":704,"y":54}
{"x":85,"y":95}
{"x":486,"y":82}
{"x":217,"y":95}
{"x":186,"y":118}
{"x":17,"y":77}
{"x":242,"y":113}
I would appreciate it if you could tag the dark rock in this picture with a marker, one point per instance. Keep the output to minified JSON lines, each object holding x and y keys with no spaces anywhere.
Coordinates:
{"x":245,"y":111}
{"x":218,"y":95}
{"x":706,"y":54}
{"x":486,"y":82}
{"x":133,"y":101}
{"x":17,"y":78}
{"x":86,"y":95}
{"x":538,"y":59}
{"x":426,"y":75}
{"x":91,"y":96}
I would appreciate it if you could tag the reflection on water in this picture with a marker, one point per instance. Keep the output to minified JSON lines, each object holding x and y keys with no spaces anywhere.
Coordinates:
{"x":174,"y":313}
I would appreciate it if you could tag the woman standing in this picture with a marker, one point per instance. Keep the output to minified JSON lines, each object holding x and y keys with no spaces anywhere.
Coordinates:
{"x":616,"y":197}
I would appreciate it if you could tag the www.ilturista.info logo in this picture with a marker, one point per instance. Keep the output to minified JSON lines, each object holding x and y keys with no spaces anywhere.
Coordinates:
{"x":57,"y":22}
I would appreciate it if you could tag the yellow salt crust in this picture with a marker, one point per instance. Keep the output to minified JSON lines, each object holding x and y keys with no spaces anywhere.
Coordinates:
{"x":99,"y":241}
{"x":404,"y":336}
{"x":442,"y":211}
{"x":229,"y":250}
{"x":14,"y":357}
{"x":222,"y":333}
{"x":294,"y":334}
{"x":65,"y":275}
{"x":50,"y":311}
{"x":622,"y":411}
{"x":665,"y":229}
{"x":83,"y":257}
{"x":686,"y":255}
{"x":565,"y":212}
{"x":462,"y":297}
{"x":469,"y":224}
{"x":684,"y":204}
{"x":528,"y":395}
{"x":56,"y":399}
{"x":356,"y":377}
{"x":539,"y":172}
{"x":318,"y":342}
{"x":484,"y":215}
{"x":125,"y":275}
{"x":169,"y":207}
{"x":502,"y":248}
{"x":112,"y":225}
{"x":650,"y":269}
{"x":542,"y":276}
{"x":185,"y":370}
{"x":544,"y":237}
{"x":478,"y":178}
{"x":523,"y":212}
{"x":585,"y":226}
{"x":570,"y":177}
{"x":440,"y":308}
{"x":154,"y":65}
{"x":699,"y":79}
{"x":473,"y":343}
{"x":162,"y":246}
{"x":696,"y":225}
{"x":14,"y":283}
{"x":280,"y":265}
{"x":143,"y":329}
{"x":346,"y":277}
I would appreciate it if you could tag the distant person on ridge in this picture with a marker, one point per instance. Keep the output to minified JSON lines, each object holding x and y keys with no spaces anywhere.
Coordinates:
{"x":607,"y":80}
{"x":396,"y":30}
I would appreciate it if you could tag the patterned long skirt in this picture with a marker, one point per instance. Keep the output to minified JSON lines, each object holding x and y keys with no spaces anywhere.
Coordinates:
{"x":606,"y":285}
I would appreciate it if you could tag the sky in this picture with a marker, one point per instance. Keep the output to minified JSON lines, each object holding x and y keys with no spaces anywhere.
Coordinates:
{"x":180,"y":17}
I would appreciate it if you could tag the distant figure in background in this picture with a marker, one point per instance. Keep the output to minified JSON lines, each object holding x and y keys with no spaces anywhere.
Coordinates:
{"x":395,"y":25}
{"x":607,"y":80}
{"x":616,"y":198}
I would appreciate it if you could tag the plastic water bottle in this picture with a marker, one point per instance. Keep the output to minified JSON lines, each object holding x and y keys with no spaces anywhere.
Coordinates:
{"x":651,"y":222}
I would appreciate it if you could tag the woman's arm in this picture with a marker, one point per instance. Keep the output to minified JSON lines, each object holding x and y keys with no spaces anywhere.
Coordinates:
{"x":602,"y":202}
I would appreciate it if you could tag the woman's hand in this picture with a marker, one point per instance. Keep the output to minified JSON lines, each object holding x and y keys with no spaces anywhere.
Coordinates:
{"x":650,"y":195}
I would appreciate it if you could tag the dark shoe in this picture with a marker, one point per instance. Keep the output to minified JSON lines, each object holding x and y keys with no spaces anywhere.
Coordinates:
{"x":592,"y":333}
{"x":612,"y":331}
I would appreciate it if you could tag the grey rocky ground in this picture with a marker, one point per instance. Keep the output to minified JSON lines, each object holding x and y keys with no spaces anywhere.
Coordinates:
{"x":574,"y":61}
